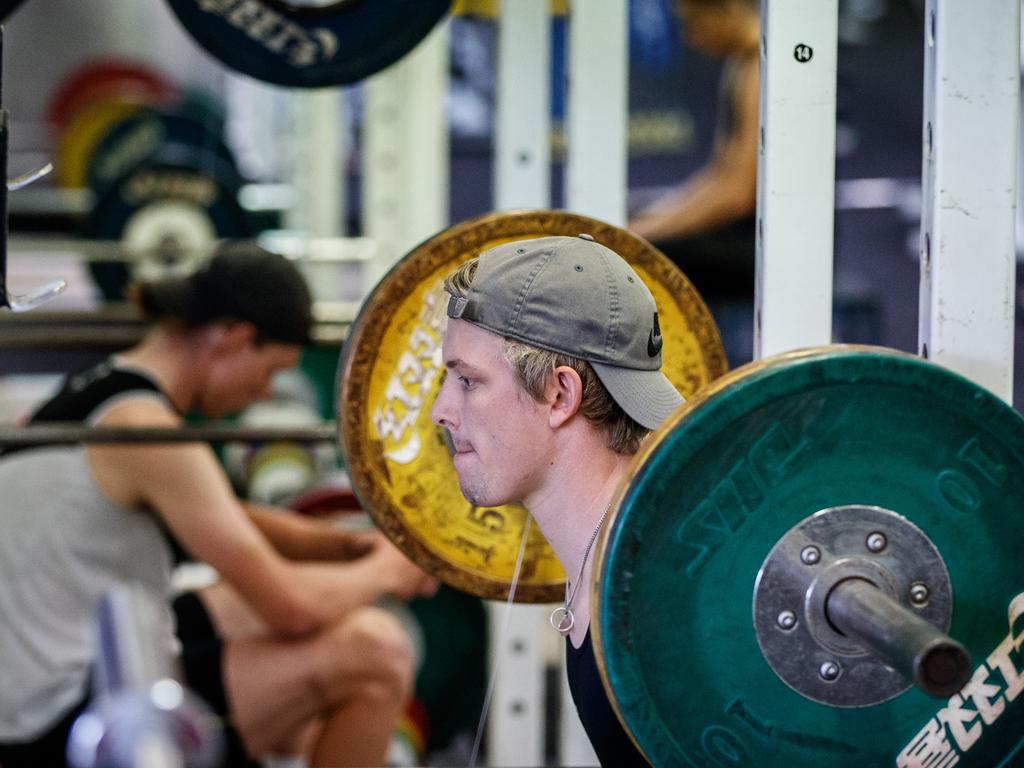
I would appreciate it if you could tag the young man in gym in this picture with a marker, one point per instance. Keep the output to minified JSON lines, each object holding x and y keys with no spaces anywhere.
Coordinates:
{"x":553,"y":359}
{"x":287,"y":648}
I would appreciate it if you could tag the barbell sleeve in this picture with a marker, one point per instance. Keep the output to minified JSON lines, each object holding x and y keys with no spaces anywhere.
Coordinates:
{"x":935,"y":662}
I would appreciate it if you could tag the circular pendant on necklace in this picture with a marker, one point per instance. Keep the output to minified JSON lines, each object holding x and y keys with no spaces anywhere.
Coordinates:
{"x":562,"y":619}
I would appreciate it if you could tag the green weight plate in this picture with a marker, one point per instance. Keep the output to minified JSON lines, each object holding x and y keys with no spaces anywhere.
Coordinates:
{"x":142,"y":133}
{"x":177,"y":203}
{"x":203,"y":107}
{"x":748,"y":458}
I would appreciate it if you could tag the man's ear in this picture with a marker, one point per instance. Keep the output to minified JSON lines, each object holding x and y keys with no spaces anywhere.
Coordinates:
{"x":234,"y":337}
{"x":564,"y":395}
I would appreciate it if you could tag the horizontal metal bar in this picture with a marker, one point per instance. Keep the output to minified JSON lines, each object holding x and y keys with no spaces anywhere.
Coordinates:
{"x":72,"y":433}
{"x":52,"y":337}
{"x":921,"y":652}
{"x":46,"y":200}
{"x":61,"y":201}
{"x":39,"y":336}
{"x":304,"y":250}
{"x":121,"y":326}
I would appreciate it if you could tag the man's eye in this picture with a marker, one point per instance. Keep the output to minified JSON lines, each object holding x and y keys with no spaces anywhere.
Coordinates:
{"x":466,"y":382}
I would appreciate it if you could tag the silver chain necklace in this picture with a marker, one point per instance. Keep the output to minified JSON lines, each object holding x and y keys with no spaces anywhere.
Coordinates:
{"x":562,"y":618}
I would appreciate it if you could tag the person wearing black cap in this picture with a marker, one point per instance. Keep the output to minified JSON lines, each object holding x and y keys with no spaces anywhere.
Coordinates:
{"x":553,"y":356}
{"x":287,"y":648}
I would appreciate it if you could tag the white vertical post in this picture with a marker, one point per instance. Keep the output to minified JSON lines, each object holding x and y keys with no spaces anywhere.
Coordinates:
{"x":515,"y":732}
{"x":522,"y":154}
{"x":255,"y":120}
{"x":597,"y":112}
{"x":971,"y":143}
{"x":405,"y":149}
{"x":796,"y":175}
{"x":596,"y":161}
{"x":318,"y":163}
{"x":597,"y":144}
{"x":522,"y":179}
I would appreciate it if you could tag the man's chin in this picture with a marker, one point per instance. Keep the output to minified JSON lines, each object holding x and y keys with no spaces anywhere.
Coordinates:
{"x":476,"y":495}
{"x":471,"y":495}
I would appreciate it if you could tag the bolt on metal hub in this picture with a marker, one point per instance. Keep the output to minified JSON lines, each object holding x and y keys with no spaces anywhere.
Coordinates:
{"x":829,"y":671}
{"x":787,"y":620}
{"x":810,"y":555}
{"x":919,"y":593}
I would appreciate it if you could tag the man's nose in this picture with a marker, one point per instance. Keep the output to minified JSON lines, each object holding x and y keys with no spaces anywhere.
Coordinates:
{"x":441,"y":411}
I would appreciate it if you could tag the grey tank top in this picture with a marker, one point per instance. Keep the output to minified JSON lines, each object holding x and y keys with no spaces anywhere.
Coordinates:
{"x":62,"y":545}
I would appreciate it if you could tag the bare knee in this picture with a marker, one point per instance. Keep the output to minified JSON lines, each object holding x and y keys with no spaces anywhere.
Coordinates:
{"x":369,"y":656}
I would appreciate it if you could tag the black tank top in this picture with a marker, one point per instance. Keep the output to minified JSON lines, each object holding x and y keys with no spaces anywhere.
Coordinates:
{"x":83,"y":392}
{"x":612,"y":744}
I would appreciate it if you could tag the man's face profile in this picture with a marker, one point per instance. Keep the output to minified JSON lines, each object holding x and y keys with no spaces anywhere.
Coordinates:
{"x":497,"y":430}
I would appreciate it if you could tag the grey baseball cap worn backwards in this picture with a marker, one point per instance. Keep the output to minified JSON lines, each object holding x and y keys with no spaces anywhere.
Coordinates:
{"x":575,"y":296}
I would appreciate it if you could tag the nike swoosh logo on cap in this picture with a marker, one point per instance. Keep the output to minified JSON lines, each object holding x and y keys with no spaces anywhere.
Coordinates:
{"x":654,"y":342}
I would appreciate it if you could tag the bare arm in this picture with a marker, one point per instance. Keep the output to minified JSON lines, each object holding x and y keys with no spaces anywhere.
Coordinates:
{"x":297,"y":537}
{"x":186,"y":486}
{"x":723,"y":190}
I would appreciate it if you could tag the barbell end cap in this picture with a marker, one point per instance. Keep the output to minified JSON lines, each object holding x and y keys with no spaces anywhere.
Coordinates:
{"x":942,"y":668}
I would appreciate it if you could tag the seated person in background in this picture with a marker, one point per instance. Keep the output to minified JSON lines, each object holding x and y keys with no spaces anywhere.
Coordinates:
{"x":707,"y":226}
{"x":287,"y":647}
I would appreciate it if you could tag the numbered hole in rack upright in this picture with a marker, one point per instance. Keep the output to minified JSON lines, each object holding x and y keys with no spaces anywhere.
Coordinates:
{"x":803,"y":53}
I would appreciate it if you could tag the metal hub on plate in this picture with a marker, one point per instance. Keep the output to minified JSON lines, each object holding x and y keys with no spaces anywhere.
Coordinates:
{"x":791,"y":596}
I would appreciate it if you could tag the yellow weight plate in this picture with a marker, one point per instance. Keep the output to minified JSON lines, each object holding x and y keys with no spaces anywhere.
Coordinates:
{"x":83,"y":134}
{"x":389,"y":375}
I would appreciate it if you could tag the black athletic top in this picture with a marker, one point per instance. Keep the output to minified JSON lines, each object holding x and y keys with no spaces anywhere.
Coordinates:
{"x":610,"y":741}
{"x":83,"y":392}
